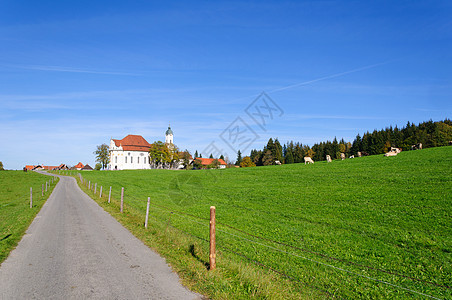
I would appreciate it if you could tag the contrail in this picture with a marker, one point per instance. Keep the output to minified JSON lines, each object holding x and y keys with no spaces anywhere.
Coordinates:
{"x":328,"y":77}
{"x":67,"y":69}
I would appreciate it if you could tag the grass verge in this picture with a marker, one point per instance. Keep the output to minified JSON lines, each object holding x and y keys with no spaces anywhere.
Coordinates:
{"x":15,"y":212}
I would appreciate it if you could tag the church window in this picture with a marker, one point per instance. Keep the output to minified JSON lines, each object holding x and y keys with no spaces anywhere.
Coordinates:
{"x":145,"y":160}
{"x":116,"y":159}
{"x":126,"y":158}
{"x":131,"y":160}
{"x":138,"y":160}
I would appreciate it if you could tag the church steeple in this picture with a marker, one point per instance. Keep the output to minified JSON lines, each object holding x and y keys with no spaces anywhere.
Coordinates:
{"x":169,"y":135}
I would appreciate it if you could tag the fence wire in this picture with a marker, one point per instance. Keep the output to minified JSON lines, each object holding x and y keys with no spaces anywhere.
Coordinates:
{"x":188,"y":216}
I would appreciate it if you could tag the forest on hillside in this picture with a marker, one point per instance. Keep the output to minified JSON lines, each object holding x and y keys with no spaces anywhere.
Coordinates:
{"x":430,"y":134}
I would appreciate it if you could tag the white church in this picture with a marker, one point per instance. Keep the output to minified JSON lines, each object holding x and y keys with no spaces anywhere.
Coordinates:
{"x":132,"y":152}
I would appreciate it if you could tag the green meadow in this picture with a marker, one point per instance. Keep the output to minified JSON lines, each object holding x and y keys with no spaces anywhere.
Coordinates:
{"x":15,"y":212}
{"x":370,"y":227}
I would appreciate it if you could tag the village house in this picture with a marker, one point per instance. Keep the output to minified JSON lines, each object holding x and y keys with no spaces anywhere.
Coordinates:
{"x":209,"y":161}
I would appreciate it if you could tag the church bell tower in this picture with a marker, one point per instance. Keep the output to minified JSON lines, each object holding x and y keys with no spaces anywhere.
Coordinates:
{"x":169,"y":136}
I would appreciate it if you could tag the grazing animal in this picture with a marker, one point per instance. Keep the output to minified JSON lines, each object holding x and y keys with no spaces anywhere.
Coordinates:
{"x":364,"y":153}
{"x":391,"y":153}
{"x":352,"y":156}
{"x":396,"y":150}
{"x":328,"y":158}
{"x":359,"y":154}
{"x":342,"y":156}
{"x":416,"y":147}
{"x":278,"y":162}
{"x":308,"y":160}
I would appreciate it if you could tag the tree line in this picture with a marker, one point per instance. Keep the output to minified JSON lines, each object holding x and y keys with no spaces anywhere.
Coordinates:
{"x":430,"y":134}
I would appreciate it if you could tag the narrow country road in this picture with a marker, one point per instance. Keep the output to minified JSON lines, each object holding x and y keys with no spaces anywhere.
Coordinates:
{"x":75,"y":250}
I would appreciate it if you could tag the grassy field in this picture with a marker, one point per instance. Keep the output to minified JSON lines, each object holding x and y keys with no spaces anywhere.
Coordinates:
{"x":370,"y":227}
{"x":15,"y":212}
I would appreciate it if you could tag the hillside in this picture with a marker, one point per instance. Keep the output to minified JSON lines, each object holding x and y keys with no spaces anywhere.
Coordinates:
{"x":365,"y":227}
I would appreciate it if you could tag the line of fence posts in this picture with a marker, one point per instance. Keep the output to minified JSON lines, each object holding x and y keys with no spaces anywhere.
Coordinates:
{"x":212,"y":239}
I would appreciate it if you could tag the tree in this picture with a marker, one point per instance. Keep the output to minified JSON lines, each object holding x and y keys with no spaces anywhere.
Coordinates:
{"x":246,"y":162}
{"x":214,"y":165}
{"x":222,"y":157}
{"x":196,"y":153}
{"x":1,"y":166}
{"x":289,"y":157}
{"x":185,"y":156}
{"x":267,"y":159}
{"x":211,"y":155}
{"x":162,"y":154}
{"x":102,"y":155}
{"x":197,"y":164}
{"x":98,"y":167}
{"x":278,"y":151}
{"x":239,"y":158}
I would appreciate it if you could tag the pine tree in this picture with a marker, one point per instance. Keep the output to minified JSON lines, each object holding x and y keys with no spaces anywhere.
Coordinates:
{"x":239,"y":158}
{"x":196,"y":153}
{"x":211,"y":156}
{"x":289,"y":157}
{"x":278,"y":151}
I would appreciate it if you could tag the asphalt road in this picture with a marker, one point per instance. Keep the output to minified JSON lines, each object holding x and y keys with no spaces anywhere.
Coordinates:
{"x":75,"y":250}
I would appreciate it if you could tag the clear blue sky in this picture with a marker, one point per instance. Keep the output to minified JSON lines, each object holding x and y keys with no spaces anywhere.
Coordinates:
{"x":73,"y":74}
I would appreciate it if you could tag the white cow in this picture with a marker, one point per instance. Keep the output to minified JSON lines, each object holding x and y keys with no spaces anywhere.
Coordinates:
{"x":328,"y":158}
{"x":391,"y":153}
{"x":359,"y":154}
{"x":342,"y":156}
{"x":352,"y":156}
{"x":308,"y":160}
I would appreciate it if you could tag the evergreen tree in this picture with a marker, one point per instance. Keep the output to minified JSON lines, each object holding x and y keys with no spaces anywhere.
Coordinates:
{"x":278,"y":151}
{"x":268,"y":158}
{"x":222,"y":157}
{"x":196,"y":154}
{"x":289,"y":157}
{"x":211,"y":156}
{"x":239,"y":158}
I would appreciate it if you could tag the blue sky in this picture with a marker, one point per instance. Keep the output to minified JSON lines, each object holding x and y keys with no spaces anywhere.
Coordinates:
{"x":74,"y":74}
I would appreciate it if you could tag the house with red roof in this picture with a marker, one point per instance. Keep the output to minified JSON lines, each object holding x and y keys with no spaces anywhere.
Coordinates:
{"x":205,"y":162}
{"x":78,"y":166}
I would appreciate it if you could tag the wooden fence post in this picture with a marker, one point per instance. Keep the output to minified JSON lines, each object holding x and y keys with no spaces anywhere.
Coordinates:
{"x":89,"y":185}
{"x":95,"y":188}
{"x":46,"y":186}
{"x":109,"y":196}
{"x":122,"y":199}
{"x":212,"y":255}
{"x":31,"y":197}
{"x":100,"y":194}
{"x":42,"y":191}
{"x":147,"y":213}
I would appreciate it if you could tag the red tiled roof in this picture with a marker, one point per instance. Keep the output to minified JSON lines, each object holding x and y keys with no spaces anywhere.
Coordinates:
{"x":49,"y":167}
{"x":29,"y":167}
{"x":133,"y":143}
{"x":208,"y":161}
{"x":79,"y":165}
